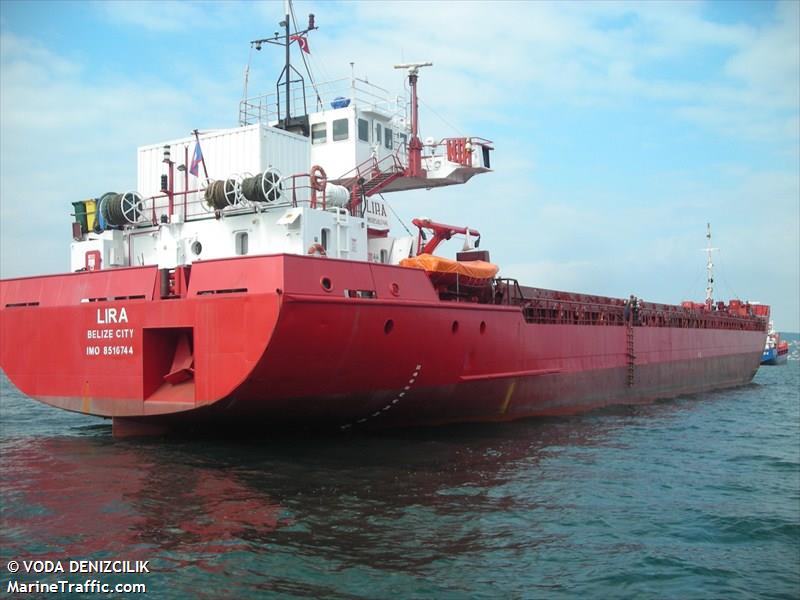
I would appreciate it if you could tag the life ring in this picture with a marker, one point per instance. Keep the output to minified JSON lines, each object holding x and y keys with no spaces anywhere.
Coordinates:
{"x":318,"y":178}
{"x":317,"y":250}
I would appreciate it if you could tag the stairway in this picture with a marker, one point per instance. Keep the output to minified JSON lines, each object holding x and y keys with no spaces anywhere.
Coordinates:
{"x":371,"y":177}
{"x":379,"y":182}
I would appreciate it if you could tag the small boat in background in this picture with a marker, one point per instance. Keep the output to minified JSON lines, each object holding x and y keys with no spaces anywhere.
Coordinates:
{"x":776,"y":350}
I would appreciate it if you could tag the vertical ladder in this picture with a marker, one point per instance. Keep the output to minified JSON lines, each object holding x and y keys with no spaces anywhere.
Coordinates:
{"x":629,"y":352}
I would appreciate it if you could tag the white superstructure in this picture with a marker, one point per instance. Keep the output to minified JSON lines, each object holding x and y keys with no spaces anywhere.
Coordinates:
{"x":262,"y":189}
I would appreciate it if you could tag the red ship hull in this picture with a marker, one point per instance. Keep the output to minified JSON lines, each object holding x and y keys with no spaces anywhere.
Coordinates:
{"x":292,"y":340}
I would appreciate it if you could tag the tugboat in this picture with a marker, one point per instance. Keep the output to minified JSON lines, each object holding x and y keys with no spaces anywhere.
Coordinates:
{"x":776,"y":351}
{"x":252,"y":279}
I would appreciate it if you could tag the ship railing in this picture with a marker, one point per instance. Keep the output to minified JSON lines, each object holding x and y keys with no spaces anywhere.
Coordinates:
{"x":269,"y":106}
{"x":563,"y":312}
{"x":369,"y":178}
{"x":612,"y":312}
{"x":508,"y":291}
{"x":372,"y":167}
{"x":456,"y":149}
{"x":191,"y":205}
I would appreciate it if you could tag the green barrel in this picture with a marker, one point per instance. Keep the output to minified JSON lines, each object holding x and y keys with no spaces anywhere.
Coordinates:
{"x":80,"y":215}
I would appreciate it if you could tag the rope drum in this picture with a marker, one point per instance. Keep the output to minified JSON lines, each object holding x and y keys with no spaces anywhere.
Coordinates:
{"x":121,"y":209}
{"x":222,"y":193}
{"x":265,"y":187}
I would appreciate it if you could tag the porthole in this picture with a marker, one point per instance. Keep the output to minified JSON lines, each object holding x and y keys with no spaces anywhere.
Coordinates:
{"x":388,"y":326}
{"x":483,"y":326}
{"x":454,"y":327}
{"x":326,"y":284}
{"x":197,"y":248}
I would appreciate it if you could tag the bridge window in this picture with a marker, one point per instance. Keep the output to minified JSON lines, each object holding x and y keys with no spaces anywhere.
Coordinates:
{"x":241,"y":243}
{"x":340,"y":129}
{"x":363,"y":130}
{"x":319,"y":134}
{"x":388,"y":138}
{"x":377,"y":133}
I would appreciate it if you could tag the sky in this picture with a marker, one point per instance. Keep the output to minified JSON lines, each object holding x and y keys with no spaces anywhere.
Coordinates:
{"x":620,"y":128}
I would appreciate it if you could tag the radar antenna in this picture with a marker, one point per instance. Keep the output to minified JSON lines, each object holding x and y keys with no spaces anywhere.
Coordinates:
{"x":415,"y":145}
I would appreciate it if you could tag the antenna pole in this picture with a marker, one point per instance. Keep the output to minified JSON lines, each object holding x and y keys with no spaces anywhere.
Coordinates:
{"x":247,"y":73}
{"x":288,"y":59}
{"x":415,"y":145}
{"x":709,"y":269}
{"x":285,"y":39}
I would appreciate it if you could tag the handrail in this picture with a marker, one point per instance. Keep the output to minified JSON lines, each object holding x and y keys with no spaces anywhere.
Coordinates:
{"x":263,"y":108}
{"x":474,"y":140}
{"x":611,"y":311}
{"x":190,"y":205}
{"x":372,"y":166}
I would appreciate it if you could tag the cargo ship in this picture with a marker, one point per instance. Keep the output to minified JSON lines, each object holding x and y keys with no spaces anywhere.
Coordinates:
{"x":252,"y":279}
{"x":776,"y":350}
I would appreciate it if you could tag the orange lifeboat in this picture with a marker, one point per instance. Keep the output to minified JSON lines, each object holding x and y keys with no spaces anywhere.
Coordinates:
{"x":448,"y":272}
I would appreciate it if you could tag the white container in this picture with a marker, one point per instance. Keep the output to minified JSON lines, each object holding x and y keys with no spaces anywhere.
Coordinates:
{"x":228,"y":153}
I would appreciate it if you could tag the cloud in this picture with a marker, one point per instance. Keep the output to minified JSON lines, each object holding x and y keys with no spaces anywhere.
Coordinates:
{"x":65,"y":138}
{"x":523,"y":53}
{"x":502,"y":69}
{"x":769,"y":63}
{"x":165,"y":16}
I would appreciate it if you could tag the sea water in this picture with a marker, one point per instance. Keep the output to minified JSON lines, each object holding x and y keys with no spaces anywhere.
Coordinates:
{"x":695,"y":497}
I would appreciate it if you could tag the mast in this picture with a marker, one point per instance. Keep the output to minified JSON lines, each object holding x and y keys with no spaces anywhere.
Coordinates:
{"x":709,"y":268}
{"x":289,"y":74}
{"x":415,"y":145}
{"x":288,"y":65}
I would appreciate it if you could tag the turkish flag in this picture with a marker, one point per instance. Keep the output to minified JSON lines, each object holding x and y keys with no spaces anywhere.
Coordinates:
{"x":302,"y":42}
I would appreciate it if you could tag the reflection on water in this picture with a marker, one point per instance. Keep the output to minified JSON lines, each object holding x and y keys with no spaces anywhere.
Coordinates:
{"x":400,"y":502}
{"x":618,"y":503}
{"x":80,"y":496}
